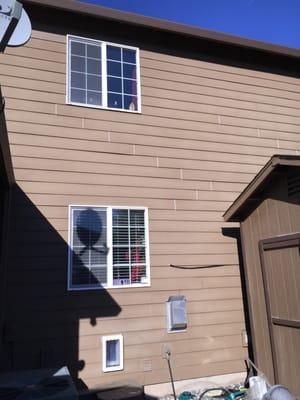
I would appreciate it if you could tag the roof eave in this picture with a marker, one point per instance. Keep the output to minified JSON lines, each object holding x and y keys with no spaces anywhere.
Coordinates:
{"x":163,"y":25}
{"x":235,"y":210}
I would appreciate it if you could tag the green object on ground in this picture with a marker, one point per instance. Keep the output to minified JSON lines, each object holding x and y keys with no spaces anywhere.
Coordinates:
{"x":186,"y":396}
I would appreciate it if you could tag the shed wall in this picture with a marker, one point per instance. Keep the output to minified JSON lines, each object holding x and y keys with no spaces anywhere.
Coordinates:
{"x":276,"y":215}
{"x":204,"y":132}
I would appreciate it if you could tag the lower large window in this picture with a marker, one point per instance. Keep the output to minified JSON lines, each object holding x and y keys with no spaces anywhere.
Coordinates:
{"x":108,"y":247}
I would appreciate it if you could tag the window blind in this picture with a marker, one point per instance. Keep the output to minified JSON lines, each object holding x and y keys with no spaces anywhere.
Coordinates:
{"x":129,"y":248}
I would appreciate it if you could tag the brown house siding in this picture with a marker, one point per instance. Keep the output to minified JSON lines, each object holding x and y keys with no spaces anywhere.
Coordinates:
{"x":204,"y":132}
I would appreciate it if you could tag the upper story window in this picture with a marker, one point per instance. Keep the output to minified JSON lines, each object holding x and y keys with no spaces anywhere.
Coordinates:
{"x":102,"y":74}
{"x":108,"y":247}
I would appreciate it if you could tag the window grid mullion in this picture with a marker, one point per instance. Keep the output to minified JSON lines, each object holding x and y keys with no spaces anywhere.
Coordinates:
{"x":69,"y":69}
{"x":109,"y":230}
{"x":104,"y":74}
{"x":129,"y":248}
{"x":89,"y":253}
{"x":85,"y":59}
{"x":138,"y":81}
{"x":71,"y":252}
{"x":122,"y":79}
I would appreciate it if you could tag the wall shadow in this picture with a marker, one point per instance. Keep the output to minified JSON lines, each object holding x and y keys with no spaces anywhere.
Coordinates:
{"x":41,"y":324}
{"x":214,"y":51}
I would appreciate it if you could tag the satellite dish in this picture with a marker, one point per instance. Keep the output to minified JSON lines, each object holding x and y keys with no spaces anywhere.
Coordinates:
{"x":15,"y":25}
{"x":22,"y":31}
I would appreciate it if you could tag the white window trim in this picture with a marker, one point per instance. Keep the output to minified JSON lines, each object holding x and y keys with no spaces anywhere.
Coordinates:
{"x":109,"y":284}
{"x":119,"y":367}
{"x":104,"y":75}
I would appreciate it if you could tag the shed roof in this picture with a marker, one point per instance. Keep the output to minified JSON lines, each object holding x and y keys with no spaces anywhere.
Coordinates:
{"x":236,"y":212}
{"x":165,"y":26}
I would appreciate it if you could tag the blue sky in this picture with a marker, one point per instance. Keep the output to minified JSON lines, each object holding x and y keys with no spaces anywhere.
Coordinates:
{"x":273,"y":21}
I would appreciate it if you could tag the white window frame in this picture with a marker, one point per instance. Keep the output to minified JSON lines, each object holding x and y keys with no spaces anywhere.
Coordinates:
{"x":103,"y":44}
{"x":106,"y":339}
{"x":109,"y":284}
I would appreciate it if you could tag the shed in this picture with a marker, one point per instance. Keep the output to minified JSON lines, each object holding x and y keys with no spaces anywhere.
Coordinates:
{"x":269,"y":214}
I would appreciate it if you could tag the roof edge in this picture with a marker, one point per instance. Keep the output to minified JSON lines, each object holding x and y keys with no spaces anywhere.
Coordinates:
{"x":164,"y":25}
{"x":232,"y":213}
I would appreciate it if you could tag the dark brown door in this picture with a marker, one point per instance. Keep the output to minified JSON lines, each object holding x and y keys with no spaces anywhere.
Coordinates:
{"x":281,"y":274}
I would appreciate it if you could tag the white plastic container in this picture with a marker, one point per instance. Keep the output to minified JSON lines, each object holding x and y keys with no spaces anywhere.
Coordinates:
{"x":257,"y":388}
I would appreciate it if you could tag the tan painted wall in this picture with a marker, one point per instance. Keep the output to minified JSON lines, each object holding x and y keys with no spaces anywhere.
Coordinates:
{"x":204,"y":132}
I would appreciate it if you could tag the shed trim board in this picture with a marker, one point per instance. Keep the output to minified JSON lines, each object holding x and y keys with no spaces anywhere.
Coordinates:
{"x":284,"y":241}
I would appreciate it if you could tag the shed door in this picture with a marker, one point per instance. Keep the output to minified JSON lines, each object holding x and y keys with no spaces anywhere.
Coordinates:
{"x":281,"y":274}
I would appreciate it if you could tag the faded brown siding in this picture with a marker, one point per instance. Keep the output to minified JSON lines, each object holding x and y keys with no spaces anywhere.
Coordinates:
{"x":204,"y":132}
{"x":276,"y":215}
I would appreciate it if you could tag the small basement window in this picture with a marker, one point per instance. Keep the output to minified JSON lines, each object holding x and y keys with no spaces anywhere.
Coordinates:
{"x":112,"y":353}
{"x":176,"y":314}
{"x":103,"y":75}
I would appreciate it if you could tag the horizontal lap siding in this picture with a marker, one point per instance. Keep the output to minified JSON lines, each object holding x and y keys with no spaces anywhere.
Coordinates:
{"x":204,"y":132}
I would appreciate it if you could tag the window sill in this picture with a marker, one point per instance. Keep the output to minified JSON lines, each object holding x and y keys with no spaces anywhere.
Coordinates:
{"x":177,"y":331}
{"x":103,"y":108}
{"x":79,"y":289}
{"x":112,"y":369}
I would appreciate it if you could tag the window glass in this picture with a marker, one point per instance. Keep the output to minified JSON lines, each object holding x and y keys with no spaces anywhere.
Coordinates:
{"x":84,"y":61}
{"x":129,"y":86}
{"x":89,"y":254}
{"x":94,"y":51}
{"x":107,"y":246}
{"x":78,"y":96}
{"x":78,"y":80}
{"x":112,"y":353}
{"x":130,"y":103}
{"x":129,"y":71}
{"x":129,"y":56}
{"x":94,"y":98}
{"x":120,"y":235}
{"x":129,"y":252}
{"x":94,"y":66}
{"x":78,"y":48}
{"x":93,"y":82}
{"x":78,"y":64}
{"x":120,"y":217}
{"x":114,"y":68}
{"x":114,"y":53}
{"x":115,"y":100}
{"x":112,"y":349}
{"x":116,"y":86}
